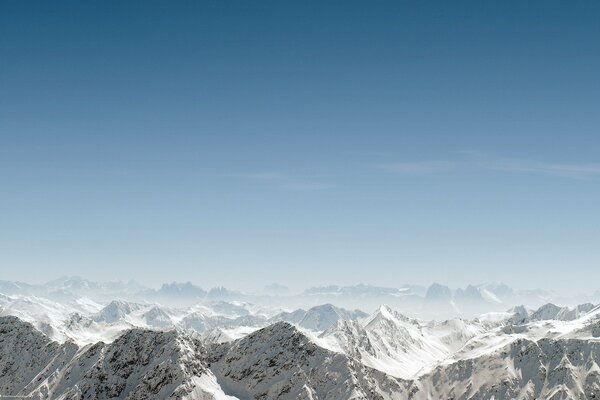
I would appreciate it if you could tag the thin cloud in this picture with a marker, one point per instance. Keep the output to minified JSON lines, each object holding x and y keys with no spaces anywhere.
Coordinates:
{"x":573,"y":171}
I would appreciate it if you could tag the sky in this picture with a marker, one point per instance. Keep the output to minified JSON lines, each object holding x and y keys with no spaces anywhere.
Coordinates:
{"x":301,"y":142}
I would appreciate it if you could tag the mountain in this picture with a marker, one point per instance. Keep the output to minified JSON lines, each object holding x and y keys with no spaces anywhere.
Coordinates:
{"x":173,"y":294}
{"x":470,"y":293}
{"x":156,"y":317}
{"x":182,"y":290}
{"x":435,"y":302}
{"x":76,"y":286}
{"x":523,"y":369}
{"x":200,"y":323}
{"x":500,"y":290}
{"x":437,"y":292}
{"x":398,"y":345}
{"x":553,"y":312}
{"x":362,"y":291}
{"x":280,"y":362}
{"x":229,"y":309}
{"x":387,"y":355}
{"x":223,"y":294}
{"x":521,"y":315}
{"x":290,"y":316}
{"x":275,"y":289}
{"x":140,"y":364}
{"x":12,"y":288}
{"x":116,"y":310}
{"x":322,"y":317}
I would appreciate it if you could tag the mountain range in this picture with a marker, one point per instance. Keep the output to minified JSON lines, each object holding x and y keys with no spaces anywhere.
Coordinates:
{"x":69,"y":340}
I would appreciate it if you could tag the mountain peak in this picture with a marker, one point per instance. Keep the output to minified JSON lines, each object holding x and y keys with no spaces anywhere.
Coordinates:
{"x":438,"y":292}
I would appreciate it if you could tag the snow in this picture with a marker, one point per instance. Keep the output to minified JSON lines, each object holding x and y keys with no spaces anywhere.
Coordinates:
{"x":207,"y":384}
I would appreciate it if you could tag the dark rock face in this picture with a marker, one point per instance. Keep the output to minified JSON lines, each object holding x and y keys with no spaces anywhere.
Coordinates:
{"x":140,"y":364}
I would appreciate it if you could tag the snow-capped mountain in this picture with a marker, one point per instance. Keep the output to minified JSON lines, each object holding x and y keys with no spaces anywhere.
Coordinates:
{"x":281,"y":362}
{"x":324,"y":316}
{"x":70,"y":346}
{"x":138,"y":365}
{"x":398,"y":345}
{"x":385,"y":356}
{"x":435,"y":302}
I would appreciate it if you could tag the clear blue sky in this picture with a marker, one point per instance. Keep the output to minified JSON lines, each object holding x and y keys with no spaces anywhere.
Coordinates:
{"x":301,"y":142}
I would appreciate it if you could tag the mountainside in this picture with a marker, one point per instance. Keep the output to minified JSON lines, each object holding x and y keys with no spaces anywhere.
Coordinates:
{"x":522,"y":369}
{"x":280,"y":362}
{"x":322,"y":317}
{"x":138,"y":365}
{"x":398,"y":345}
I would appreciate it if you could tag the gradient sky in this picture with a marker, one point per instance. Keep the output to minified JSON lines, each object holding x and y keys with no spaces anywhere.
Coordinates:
{"x":301,"y":142}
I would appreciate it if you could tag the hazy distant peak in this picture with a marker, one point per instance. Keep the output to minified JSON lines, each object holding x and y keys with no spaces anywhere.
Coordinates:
{"x":186,"y":289}
{"x":276,"y":289}
{"x":322,"y":317}
{"x":438,"y":292}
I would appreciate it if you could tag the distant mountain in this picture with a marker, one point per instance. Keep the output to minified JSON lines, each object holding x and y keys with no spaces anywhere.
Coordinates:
{"x":81,"y":286}
{"x":235,"y":309}
{"x":156,"y":317}
{"x":437,"y":292}
{"x":363,"y":291}
{"x":435,"y":302}
{"x":275,"y":289}
{"x":322,"y":317}
{"x":223,"y":294}
{"x":185,"y":290}
{"x":470,"y":293}
{"x":12,"y":288}
{"x":500,"y":290}
{"x":521,"y":315}
{"x":116,"y":310}
{"x":293,"y":317}
{"x":173,"y":294}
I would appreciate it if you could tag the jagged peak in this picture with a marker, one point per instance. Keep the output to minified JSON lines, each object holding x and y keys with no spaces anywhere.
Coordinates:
{"x":386,"y":313}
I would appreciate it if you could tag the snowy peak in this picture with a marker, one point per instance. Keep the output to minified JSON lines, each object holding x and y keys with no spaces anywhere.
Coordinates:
{"x":363,"y":291}
{"x":158,"y":318}
{"x":322,"y":317}
{"x":400,"y":346}
{"x":521,"y":315}
{"x":294,"y":316}
{"x":280,"y":362}
{"x":185,"y":290}
{"x":470,"y":293}
{"x":437,"y":292}
{"x":384,"y":312}
{"x":139,"y":364}
{"x":385,"y":356}
{"x":115,"y":311}
{"x":550,"y":311}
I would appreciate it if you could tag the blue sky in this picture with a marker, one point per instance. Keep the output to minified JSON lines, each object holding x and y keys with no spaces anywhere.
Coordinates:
{"x":304,"y":143}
